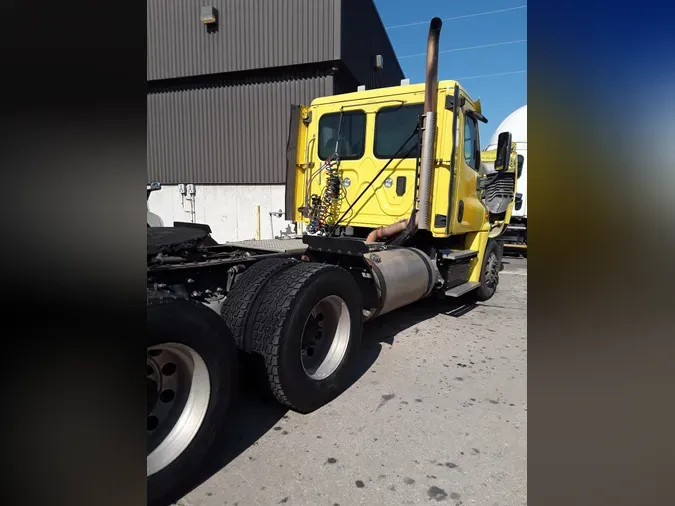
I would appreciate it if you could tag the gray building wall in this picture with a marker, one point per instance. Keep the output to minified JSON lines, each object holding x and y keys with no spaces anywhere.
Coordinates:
{"x":226,"y":134}
{"x":219,"y":101}
{"x":251,"y":34}
{"x":362,"y":36}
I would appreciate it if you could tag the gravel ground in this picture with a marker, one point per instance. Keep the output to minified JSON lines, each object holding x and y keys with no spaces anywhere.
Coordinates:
{"x":439,"y":414}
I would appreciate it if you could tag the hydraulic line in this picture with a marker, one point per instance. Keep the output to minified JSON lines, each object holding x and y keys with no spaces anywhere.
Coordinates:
{"x":325,"y":207}
{"x":411,"y":226}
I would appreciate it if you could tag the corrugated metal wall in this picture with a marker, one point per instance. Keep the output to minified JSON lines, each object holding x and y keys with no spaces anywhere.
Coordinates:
{"x":362,"y":37}
{"x":219,"y":101}
{"x":251,"y":34}
{"x":232,"y":133}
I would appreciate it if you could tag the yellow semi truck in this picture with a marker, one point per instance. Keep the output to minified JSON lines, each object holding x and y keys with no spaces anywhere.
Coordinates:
{"x":397,"y":203}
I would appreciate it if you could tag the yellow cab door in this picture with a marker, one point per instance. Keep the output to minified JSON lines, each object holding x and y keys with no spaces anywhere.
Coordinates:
{"x":395,"y":138}
{"x":468,"y":211}
{"x":365,"y":134}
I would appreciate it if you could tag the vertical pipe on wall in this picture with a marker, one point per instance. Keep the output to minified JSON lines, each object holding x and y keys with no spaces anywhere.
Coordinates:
{"x":257,"y":222}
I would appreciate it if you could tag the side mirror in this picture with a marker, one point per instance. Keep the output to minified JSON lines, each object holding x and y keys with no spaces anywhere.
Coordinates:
{"x":521,"y":163}
{"x":503,"y":152}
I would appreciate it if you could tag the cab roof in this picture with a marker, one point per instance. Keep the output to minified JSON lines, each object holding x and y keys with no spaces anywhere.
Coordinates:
{"x":394,"y":91}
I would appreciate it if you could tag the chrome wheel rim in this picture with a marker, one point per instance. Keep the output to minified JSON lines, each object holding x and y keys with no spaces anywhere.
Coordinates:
{"x":325,"y":337}
{"x":178,"y":394}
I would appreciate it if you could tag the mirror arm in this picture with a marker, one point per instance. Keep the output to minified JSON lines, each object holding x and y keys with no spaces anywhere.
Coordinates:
{"x":477,"y":116}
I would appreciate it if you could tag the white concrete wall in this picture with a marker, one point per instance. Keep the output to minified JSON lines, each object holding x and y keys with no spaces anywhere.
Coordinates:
{"x":229,"y":210}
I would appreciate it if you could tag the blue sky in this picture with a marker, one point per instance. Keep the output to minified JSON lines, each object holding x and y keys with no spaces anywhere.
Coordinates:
{"x":500,"y":95}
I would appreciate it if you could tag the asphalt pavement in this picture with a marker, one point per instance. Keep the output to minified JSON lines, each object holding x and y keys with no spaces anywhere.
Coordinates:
{"x":438,"y":415}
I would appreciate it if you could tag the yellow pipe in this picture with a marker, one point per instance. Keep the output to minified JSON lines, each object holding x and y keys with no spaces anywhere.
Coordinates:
{"x":257,"y":223}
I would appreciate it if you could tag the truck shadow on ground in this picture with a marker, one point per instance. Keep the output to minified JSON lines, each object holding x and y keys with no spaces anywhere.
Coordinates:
{"x":255,"y":412}
{"x":387,"y":327}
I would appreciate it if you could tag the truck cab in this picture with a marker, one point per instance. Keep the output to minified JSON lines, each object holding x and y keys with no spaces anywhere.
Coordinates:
{"x":361,"y":132}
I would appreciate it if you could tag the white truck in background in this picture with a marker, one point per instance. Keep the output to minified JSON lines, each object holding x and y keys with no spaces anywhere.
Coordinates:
{"x":515,"y":235}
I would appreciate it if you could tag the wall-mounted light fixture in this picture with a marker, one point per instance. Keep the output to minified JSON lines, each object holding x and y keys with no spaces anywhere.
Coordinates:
{"x":208,"y":15}
{"x":379,"y":62}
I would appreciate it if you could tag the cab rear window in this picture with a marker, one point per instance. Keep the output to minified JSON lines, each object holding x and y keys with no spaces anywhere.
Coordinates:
{"x":345,"y":131}
{"x":393,"y":125}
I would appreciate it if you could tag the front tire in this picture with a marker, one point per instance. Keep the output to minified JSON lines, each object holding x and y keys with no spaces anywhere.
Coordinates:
{"x":190,"y":379}
{"x":489,"y":275}
{"x":308,"y":330}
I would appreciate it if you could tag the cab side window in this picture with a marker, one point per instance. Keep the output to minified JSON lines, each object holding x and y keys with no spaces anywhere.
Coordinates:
{"x":345,"y":130}
{"x":470,"y":142}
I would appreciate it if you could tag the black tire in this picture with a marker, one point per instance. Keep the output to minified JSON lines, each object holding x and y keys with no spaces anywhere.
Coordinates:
{"x":243,"y":298}
{"x":179,"y":328}
{"x":280,"y":321}
{"x":489,"y":274}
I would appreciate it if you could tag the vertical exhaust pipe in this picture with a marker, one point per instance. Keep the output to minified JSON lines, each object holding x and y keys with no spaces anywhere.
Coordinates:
{"x":429,"y":126}
{"x":431,"y":72}
{"x":426,"y":182}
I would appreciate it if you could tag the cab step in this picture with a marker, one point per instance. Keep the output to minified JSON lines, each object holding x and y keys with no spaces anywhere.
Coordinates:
{"x":455,"y":255}
{"x":460,"y":290}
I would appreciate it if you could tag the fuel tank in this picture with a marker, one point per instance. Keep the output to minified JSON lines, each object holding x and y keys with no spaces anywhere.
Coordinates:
{"x":402,"y":276}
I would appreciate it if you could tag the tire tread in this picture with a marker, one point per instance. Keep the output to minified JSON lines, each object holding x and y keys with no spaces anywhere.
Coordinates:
{"x":242,"y":299}
{"x":276,"y":304}
{"x":483,"y":293}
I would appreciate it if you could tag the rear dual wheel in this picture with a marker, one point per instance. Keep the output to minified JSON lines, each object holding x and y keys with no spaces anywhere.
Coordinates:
{"x":306,"y":324}
{"x":243,"y":299}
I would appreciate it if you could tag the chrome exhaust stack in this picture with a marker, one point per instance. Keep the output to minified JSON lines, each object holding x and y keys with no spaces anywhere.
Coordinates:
{"x":429,"y":126}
